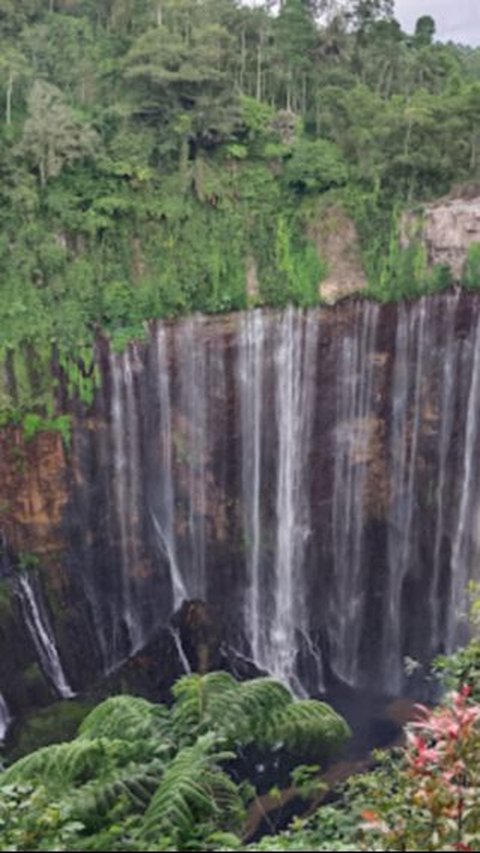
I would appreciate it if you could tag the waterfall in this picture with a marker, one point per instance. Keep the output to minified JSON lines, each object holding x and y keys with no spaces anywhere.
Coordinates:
{"x":185,"y":663}
{"x":193,"y":401}
{"x":313,"y":474}
{"x":164,"y":517}
{"x":251,"y":365}
{"x":276,"y":614}
{"x":295,"y":390}
{"x":466,"y":542}
{"x":42,"y":635}
{"x":408,"y":370}
{"x":354,"y":433}
{"x":447,"y":416}
{"x":5,"y":719}
{"x":127,"y":488}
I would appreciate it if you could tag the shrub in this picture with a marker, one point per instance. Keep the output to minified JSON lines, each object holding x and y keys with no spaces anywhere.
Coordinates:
{"x":315,"y":167}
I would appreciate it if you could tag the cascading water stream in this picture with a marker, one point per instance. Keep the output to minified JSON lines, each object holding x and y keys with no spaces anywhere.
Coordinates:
{"x":276,"y":615}
{"x":353,"y":436}
{"x":163,"y":515}
{"x":42,"y":636}
{"x":127,"y":487}
{"x":295,"y":385}
{"x":193,"y":405}
{"x":5,"y":719}
{"x":447,"y":416}
{"x":466,"y":543}
{"x":409,"y":364}
{"x":251,"y":363}
{"x":185,"y":663}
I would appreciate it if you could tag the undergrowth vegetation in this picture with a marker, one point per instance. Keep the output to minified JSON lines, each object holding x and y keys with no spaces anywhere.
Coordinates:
{"x":140,"y":776}
{"x":423,"y":796}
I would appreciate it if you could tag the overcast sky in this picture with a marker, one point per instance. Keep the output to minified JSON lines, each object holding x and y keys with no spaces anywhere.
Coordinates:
{"x":458,"y":20}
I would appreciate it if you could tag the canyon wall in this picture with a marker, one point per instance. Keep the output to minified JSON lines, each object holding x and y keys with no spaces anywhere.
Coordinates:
{"x":313,"y":477}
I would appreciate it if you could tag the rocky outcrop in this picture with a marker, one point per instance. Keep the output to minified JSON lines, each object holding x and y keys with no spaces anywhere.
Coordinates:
{"x":447,"y":228}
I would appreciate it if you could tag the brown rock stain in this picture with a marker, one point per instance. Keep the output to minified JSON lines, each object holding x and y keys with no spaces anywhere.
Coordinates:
{"x":34,"y":487}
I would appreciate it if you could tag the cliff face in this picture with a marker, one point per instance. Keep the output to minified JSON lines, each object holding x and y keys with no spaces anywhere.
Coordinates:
{"x":447,"y":229}
{"x":313,"y":477}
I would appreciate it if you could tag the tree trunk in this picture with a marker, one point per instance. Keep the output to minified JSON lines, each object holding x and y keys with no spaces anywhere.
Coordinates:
{"x":43,"y":177}
{"x":473,"y":154}
{"x":259,"y":72}
{"x":9,"y":99}
{"x":242,"y":60}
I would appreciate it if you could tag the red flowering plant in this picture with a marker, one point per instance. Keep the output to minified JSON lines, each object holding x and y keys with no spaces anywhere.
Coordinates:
{"x":431,"y":800}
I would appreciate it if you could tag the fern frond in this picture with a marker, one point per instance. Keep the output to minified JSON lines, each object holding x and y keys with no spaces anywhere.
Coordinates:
{"x":260,"y":701}
{"x":61,"y":764}
{"x":309,"y":725}
{"x":125,"y":718}
{"x":216,"y":702}
{"x":193,"y":789}
{"x":134,"y":785}
{"x":202,"y":703}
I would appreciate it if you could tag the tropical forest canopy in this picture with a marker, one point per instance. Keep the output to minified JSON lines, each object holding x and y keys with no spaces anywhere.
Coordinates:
{"x":151,"y":151}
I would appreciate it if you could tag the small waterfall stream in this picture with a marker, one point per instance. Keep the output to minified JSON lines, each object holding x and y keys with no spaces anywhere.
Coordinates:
{"x":295,"y":386}
{"x":251,"y":365}
{"x":163,"y":515}
{"x":5,"y":719}
{"x":409,"y":353}
{"x":41,"y":633}
{"x":185,"y":663}
{"x":466,"y":542}
{"x":354,"y":434}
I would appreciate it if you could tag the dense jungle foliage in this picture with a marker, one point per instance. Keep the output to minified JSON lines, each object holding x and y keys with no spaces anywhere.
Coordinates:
{"x":146,"y":777}
{"x":152,"y":152}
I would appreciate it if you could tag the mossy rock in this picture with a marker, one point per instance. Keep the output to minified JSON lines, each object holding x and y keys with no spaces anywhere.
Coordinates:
{"x":55,"y":724}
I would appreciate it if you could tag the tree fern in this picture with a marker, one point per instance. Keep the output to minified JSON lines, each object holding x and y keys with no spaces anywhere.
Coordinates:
{"x":141,"y":776}
{"x":193,"y":790}
{"x":125,"y":718}
{"x":309,"y":725}
{"x":261,"y":710}
{"x":133,"y":785}
{"x":260,"y":702}
{"x":63,"y":764}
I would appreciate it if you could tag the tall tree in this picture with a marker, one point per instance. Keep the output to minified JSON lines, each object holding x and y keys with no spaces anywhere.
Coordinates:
{"x":53,"y":136}
{"x":14,"y":69}
{"x":295,"y":38}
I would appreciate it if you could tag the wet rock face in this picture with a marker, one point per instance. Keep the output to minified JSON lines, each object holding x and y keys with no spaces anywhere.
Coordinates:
{"x":307,"y":481}
{"x":447,"y":228}
{"x":34,"y":492}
